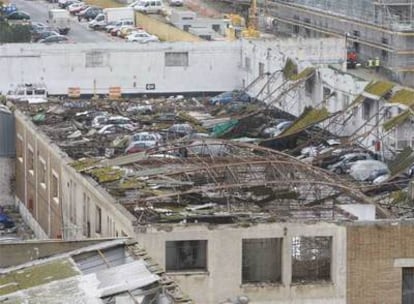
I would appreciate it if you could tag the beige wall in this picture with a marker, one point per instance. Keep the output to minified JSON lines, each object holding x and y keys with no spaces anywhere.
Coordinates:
{"x":223,"y":278}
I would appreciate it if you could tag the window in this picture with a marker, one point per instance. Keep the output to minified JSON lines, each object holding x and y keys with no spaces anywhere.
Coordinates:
{"x":296,"y":28}
{"x":186,"y":255}
{"x":309,"y":84}
{"x":261,"y":260}
{"x":408,"y":285}
{"x":72,"y":202}
{"x":30,"y":160}
{"x":19,"y":147}
{"x":42,"y":172}
{"x":356,"y":47}
{"x":94,"y":59}
{"x":55,"y":187}
{"x":345,"y":101}
{"x":261,"y":68}
{"x":311,"y":259}
{"x":307,"y":30}
{"x":98,"y":220}
{"x":247,"y":63}
{"x":86,"y":220}
{"x":366,"y":109}
{"x":176,"y":59}
{"x":384,"y":53}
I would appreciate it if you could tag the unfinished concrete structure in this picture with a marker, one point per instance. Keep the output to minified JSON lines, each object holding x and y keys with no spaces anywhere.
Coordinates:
{"x":192,"y":205}
{"x":212,"y":212}
{"x":382,"y":29}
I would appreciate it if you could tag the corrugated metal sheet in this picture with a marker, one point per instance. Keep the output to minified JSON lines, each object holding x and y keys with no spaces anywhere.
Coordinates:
{"x":7,"y":133}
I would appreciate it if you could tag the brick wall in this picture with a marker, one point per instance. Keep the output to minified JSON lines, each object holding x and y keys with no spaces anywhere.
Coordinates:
{"x":371,"y":252}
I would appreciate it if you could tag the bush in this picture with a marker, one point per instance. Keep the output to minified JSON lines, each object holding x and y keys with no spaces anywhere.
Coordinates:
{"x":12,"y":33}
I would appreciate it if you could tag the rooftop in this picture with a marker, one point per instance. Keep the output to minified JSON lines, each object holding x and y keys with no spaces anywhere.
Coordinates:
{"x":203,"y":163}
{"x":107,"y":272}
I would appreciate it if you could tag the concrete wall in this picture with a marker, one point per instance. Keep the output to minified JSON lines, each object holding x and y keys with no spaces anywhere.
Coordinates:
{"x":212,"y":66}
{"x":94,"y":68}
{"x":271,"y":54}
{"x":392,"y":47}
{"x":222,"y":280}
{"x":374,"y":260}
{"x":72,"y":213}
{"x":7,"y":181}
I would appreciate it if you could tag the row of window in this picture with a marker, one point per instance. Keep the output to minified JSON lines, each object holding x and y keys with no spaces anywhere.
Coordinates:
{"x":261,"y":258}
{"x":96,"y":59}
{"x":40,"y":169}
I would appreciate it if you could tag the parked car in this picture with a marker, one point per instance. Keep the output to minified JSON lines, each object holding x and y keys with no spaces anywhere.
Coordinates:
{"x":368,"y":170}
{"x":5,"y":221}
{"x":346,"y":161}
{"x":277,"y":129}
{"x":43,"y":35}
{"x":76,"y":7}
{"x":118,"y":24}
{"x":8,"y":9}
{"x":176,"y":2}
{"x":127,"y":30}
{"x":142,"y":141}
{"x":136,"y":147}
{"x":149,"y":6}
{"x":112,"y":129}
{"x":38,"y":26}
{"x":227,"y":97}
{"x":141,"y":37}
{"x":180,"y":130}
{"x":55,"y":39}
{"x":89,"y":13}
{"x":18,"y":15}
{"x":67,"y":3}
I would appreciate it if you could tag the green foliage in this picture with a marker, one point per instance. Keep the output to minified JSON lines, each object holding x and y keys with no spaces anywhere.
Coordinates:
{"x":14,"y":33}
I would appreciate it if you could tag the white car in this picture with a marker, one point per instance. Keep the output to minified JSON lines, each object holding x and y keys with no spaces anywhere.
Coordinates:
{"x":141,"y":37}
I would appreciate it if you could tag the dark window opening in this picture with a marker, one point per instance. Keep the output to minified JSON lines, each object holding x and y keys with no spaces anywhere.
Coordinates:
{"x":366,"y":110}
{"x":311,"y":259}
{"x":408,"y":285}
{"x":186,"y":255}
{"x":356,"y":47}
{"x":261,"y":260}
{"x":98,"y":220}
{"x":261,"y":68}
{"x":309,"y":84}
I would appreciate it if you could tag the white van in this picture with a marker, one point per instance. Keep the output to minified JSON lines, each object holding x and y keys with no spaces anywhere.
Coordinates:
{"x":149,"y":6}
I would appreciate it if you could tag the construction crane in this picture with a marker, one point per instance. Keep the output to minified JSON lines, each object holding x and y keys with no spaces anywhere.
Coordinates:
{"x":252,"y":25}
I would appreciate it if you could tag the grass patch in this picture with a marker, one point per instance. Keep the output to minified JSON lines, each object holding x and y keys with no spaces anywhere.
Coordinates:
{"x":104,"y":3}
{"x":36,"y":275}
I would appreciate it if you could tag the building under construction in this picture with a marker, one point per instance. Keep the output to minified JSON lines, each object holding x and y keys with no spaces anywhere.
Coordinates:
{"x":374,"y":29}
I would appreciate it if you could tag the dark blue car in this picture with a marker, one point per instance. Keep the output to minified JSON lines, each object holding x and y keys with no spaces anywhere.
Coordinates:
{"x":228,"y":97}
{"x":5,"y":221}
{"x":8,"y":9}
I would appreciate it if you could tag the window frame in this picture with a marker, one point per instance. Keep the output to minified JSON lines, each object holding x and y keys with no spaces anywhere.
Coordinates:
{"x":172,"y":249}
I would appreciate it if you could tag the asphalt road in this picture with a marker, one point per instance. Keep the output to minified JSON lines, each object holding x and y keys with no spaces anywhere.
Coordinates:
{"x":79,"y":32}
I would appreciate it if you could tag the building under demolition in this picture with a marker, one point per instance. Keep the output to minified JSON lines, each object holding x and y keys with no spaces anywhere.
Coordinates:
{"x":374,"y":29}
{"x":201,"y":182}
